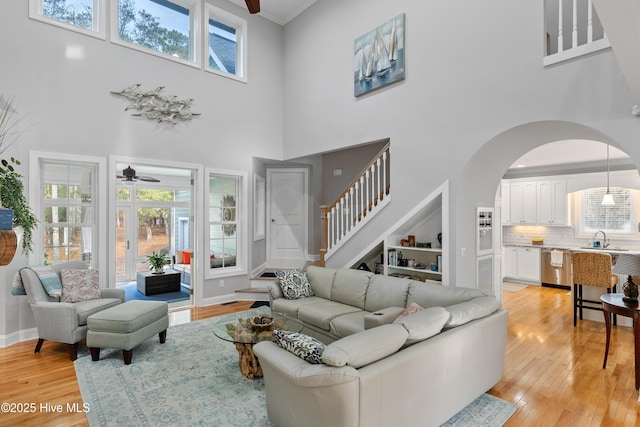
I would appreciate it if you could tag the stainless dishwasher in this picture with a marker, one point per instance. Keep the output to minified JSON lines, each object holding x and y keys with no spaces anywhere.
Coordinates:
{"x":555,"y":276}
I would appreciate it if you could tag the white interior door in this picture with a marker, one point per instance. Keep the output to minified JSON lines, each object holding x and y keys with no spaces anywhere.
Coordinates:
{"x":287,"y":216}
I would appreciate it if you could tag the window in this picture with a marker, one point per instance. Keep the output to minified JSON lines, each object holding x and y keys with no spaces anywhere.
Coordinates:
{"x":226,"y":222}
{"x":226,"y":43}
{"x":68,"y":217}
{"x":84,"y":16}
{"x":161,"y":27}
{"x":616,"y":220}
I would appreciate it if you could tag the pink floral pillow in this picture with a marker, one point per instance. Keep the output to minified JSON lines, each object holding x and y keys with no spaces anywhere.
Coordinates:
{"x":79,"y":285}
{"x":413,"y":308}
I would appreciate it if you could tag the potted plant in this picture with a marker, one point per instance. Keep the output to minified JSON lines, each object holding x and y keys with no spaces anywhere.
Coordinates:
{"x":156,"y":262}
{"x":11,"y":186}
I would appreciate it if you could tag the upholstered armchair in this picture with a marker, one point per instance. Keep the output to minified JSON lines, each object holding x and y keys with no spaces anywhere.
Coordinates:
{"x":64,"y":321}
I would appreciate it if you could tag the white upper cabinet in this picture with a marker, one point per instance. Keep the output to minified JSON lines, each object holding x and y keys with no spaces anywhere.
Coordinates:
{"x":543,"y":202}
{"x":552,"y":202}
{"x":523,"y":203}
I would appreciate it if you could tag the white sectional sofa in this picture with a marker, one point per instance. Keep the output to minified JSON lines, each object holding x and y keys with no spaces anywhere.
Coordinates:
{"x":418,"y":371}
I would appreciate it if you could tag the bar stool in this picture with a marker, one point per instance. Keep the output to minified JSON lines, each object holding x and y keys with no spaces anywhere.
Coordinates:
{"x":591,"y":269}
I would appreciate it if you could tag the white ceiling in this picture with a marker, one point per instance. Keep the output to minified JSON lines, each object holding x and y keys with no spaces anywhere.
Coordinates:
{"x":279,"y":11}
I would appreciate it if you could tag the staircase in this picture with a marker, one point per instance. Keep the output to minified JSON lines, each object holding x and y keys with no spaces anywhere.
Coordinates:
{"x":362,"y":200}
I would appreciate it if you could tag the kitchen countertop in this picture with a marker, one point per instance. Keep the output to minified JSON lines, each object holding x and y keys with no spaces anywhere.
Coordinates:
{"x":581,"y":249}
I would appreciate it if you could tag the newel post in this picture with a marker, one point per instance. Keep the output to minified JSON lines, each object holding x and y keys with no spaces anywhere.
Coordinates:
{"x":325,"y":233}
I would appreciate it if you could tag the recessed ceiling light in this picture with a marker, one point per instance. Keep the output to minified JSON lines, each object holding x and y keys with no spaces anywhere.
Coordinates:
{"x":520,"y":166}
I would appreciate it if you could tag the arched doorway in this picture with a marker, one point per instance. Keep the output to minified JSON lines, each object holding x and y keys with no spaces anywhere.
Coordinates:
{"x":482,"y":175}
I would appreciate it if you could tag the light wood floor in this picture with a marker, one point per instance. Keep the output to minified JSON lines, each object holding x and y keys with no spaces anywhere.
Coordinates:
{"x":553,"y":371}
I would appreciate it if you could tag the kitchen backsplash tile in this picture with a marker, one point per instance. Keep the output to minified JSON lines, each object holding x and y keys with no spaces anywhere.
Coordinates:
{"x":562,"y":237}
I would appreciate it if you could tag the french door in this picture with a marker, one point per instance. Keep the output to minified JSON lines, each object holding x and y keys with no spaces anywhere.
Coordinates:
{"x":150,"y":219}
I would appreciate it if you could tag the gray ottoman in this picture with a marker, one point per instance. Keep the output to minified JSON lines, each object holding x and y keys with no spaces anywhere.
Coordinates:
{"x":125,"y":326}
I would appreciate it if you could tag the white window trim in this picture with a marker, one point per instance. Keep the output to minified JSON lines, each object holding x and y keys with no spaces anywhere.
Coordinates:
{"x":35,"y":201}
{"x":635,"y":209}
{"x":99,"y":19}
{"x":195,"y":6}
{"x":241,"y":231}
{"x":241,"y":43}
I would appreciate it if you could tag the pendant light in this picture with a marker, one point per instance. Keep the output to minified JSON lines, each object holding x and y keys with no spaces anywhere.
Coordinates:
{"x":607,"y":200}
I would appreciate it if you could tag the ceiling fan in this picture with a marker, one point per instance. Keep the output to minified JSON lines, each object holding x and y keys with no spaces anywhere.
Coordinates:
{"x":253,"y":6}
{"x":129,"y":176}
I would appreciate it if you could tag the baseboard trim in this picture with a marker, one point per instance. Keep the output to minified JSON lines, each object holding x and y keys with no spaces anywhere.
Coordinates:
{"x":17,"y":337}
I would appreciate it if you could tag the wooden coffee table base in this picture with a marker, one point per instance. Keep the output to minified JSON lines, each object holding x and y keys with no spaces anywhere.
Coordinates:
{"x":248,"y":363}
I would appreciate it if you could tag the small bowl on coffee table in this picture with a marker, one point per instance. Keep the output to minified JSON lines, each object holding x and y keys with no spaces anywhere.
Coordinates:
{"x":262,"y":322}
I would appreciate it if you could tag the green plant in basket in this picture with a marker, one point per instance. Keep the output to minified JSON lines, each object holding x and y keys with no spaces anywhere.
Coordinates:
{"x":11,"y":186}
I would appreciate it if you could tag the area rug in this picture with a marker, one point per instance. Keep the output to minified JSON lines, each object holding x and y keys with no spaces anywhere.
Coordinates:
{"x":131,"y":293}
{"x":193,"y":380}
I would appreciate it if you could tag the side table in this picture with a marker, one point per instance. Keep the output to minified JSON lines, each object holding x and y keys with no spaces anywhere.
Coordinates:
{"x":613,"y":304}
{"x":151,"y":284}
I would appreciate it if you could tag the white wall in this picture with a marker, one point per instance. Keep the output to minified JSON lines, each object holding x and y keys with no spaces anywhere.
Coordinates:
{"x":474,"y":82}
{"x":67,"y":107}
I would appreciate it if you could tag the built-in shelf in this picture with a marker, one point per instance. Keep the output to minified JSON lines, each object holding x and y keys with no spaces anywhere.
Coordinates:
{"x":416,"y":270}
{"x":411,"y":248}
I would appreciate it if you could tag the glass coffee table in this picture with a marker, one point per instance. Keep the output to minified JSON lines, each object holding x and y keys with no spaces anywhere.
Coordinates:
{"x":237,"y":328}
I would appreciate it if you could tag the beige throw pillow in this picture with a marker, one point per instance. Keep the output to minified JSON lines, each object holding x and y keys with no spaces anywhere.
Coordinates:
{"x":79,"y":285}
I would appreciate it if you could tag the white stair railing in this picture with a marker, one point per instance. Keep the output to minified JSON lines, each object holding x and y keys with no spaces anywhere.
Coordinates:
{"x":357,"y":204}
{"x":586,"y":35}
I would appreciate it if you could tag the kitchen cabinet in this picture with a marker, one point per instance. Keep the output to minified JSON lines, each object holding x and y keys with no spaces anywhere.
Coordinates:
{"x":505,"y":212}
{"x":552,"y":202}
{"x":523,"y":203}
{"x":522,"y":263}
{"x":509,"y":260}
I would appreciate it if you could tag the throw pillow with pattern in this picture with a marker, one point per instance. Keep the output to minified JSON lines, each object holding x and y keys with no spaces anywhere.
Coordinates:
{"x":294,"y":284}
{"x":303,"y":346}
{"x":79,"y":285}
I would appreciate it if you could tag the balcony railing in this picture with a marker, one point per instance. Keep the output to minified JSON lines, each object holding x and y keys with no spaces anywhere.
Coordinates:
{"x":572,"y":29}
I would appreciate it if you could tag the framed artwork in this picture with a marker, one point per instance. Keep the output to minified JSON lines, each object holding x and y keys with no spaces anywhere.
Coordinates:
{"x":379,"y":56}
{"x":259,"y":207}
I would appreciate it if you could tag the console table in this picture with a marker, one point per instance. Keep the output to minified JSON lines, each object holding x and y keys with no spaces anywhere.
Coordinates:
{"x":151,"y":283}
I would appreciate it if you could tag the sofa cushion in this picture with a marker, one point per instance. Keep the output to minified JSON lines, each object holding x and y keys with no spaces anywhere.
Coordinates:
{"x":386,"y":291}
{"x":350,"y":287}
{"x":382,"y":317}
{"x":303,"y":346}
{"x":79,"y":285}
{"x":85,"y":309}
{"x":294,"y":284}
{"x":321,"y":279}
{"x":430,"y":295}
{"x":291,"y":306}
{"x":470,"y":310}
{"x":365,"y":347}
{"x":321,"y":314}
{"x":348,"y":324}
{"x":424,"y":323}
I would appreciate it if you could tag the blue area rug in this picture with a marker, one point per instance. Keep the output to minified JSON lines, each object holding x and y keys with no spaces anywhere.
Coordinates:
{"x":194,"y":380}
{"x":131,"y":293}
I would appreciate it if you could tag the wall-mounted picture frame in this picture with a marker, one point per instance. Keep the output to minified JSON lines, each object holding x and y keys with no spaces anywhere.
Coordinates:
{"x":259,"y":207}
{"x":379,"y":56}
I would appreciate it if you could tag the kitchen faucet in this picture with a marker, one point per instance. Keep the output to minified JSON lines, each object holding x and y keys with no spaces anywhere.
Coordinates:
{"x":604,"y":242}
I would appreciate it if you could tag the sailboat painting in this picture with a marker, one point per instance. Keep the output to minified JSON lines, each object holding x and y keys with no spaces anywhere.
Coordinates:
{"x":378,"y":56}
